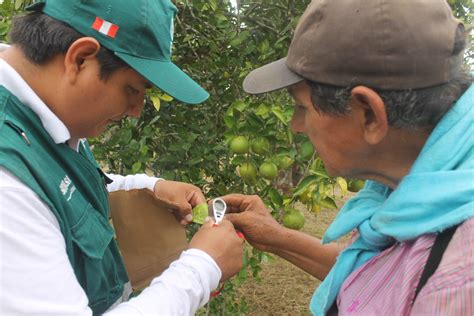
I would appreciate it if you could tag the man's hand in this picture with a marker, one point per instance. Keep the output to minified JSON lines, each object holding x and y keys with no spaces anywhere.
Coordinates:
{"x":180,"y":197}
{"x":222,"y":244}
{"x":250,"y":215}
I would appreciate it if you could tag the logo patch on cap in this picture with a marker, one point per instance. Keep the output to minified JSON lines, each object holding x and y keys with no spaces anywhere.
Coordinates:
{"x":105,"y":27}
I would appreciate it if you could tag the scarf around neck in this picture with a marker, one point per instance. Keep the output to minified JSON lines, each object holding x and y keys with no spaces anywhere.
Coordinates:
{"x":438,"y":193}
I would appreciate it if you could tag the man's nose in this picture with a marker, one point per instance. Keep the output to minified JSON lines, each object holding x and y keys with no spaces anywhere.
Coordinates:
{"x":136,"y":108}
{"x":296,"y":125}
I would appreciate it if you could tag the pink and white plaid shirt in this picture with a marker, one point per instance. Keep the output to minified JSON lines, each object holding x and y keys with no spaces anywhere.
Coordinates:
{"x":385,"y":285}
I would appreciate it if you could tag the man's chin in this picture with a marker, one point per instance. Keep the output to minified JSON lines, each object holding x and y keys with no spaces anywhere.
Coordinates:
{"x":98,"y":131}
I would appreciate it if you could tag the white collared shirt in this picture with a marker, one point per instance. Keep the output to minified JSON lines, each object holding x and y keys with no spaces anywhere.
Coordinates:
{"x":36,"y":276}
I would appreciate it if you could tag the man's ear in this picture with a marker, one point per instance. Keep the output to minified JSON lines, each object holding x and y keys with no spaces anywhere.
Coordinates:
{"x":82,"y":50}
{"x":371,"y":113}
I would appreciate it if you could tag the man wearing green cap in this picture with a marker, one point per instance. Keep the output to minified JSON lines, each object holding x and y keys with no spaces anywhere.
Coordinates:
{"x":72,"y":68}
{"x":380,"y":90}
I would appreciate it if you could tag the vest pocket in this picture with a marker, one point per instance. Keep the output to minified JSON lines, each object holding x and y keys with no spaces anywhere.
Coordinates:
{"x":97,"y":262}
{"x":92,"y":233}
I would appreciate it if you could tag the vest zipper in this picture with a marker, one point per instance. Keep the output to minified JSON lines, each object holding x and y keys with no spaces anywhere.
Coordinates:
{"x":19,"y":131}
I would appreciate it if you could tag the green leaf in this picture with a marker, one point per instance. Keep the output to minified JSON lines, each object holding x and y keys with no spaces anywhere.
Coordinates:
{"x":200,"y":212}
{"x":240,"y":38}
{"x":195,"y":161}
{"x":213,"y":5}
{"x":125,"y":136}
{"x":306,"y":182}
{"x":18,"y":4}
{"x":246,"y":258}
{"x":165,"y":97}
{"x":242,"y":275}
{"x":266,"y":257}
{"x":264,"y":46}
{"x":230,"y":122}
{"x":325,"y":189}
{"x":262,"y":109}
{"x":319,"y":172}
{"x":3,"y":28}
{"x":289,"y":135}
{"x":239,"y":105}
{"x":136,"y":167}
{"x":212,"y":157}
{"x":328,"y":203}
{"x":342,"y":183}
{"x":156,"y":102}
{"x":238,"y":160}
{"x":6,"y":5}
{"x":275,"y":197}
{"x":147,"y":130}
{"x":279,"y":114}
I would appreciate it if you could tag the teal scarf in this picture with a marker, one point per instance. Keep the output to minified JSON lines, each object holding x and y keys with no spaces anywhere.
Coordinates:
{"x":437,"y":193}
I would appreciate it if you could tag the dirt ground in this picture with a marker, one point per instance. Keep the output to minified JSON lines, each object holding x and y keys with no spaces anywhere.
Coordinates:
{"x":285,"y":289}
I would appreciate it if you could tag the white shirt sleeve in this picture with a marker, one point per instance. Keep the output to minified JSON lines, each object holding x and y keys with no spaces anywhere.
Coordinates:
{"x":180,"y":290}
{"x":135,"y":181}
{"x":36,"y":276}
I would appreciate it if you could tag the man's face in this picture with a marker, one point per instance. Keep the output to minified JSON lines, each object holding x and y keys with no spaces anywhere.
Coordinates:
{"x":98,"y":103}
{"x":335,"y":138}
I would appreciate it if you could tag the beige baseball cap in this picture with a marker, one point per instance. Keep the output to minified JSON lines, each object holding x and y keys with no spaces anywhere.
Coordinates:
{"x":385,"y":44}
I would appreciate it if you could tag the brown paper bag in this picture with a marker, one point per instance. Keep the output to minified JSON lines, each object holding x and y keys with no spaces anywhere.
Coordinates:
{"x":149,"y":236}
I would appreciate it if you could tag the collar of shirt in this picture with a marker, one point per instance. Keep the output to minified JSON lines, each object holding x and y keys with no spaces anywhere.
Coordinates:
{"x":13,"y":82}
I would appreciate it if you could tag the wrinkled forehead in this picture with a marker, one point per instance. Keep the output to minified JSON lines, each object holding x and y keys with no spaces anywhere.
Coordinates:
{"x":297,"y":89}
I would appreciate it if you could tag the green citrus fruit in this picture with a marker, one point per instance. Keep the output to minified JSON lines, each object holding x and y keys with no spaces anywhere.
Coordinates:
{"x":260,"y":145}
{"x":306,"y":150}
{"x":268,"y":170}
{"x":239,"y":145}
{"x":284,"y":162}
{"x":200,"y":212}
{"x":293,"y":219}
{"x":248,"y":172}
{"x":355,"y":185}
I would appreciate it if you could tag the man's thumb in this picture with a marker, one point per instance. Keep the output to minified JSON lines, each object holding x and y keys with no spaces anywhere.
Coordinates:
{"x":234,"y":218}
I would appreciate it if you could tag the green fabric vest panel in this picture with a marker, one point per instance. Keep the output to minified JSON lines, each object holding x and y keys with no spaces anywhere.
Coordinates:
{"x":71,"y":185}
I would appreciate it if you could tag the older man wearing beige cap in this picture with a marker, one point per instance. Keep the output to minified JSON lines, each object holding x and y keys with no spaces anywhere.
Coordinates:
{"x":73,"y":68}
{"x":381,"y":92}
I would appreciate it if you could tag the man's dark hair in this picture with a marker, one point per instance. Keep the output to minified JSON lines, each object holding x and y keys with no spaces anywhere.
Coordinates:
{"x":412,"y":108}
{"x":41,"y":38}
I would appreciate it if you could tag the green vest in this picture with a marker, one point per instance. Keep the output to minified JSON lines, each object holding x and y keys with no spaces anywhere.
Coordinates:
{"x":73,"y":188}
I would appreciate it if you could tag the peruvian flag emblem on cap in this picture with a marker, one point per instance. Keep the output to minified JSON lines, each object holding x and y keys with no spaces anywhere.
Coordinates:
{"x":105,"y":27}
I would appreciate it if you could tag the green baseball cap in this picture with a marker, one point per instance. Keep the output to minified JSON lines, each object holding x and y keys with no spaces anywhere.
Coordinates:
{"x":139,"y":32}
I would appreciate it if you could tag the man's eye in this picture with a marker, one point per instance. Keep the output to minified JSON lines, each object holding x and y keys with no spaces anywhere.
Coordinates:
{"x":132,"y":90}
{"x":300,"y":108}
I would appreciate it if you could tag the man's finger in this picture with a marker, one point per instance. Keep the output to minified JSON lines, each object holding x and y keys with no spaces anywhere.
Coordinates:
{"x":196,"y":197}
{"x":234,"y":218}
{"x":208,"y":222}
{"x":235,"y":202}
{"x":225,"y":222}
{"x":167,"y":203}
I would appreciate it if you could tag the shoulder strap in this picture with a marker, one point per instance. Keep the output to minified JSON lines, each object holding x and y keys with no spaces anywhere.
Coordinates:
{"x":436,"y":253}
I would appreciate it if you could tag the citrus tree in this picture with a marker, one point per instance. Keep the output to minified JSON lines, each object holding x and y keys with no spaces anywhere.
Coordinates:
{"x":233,"y":142}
